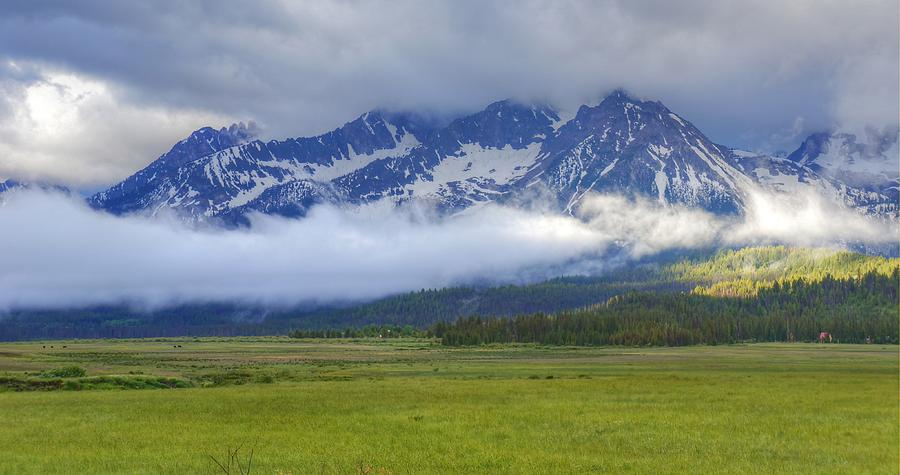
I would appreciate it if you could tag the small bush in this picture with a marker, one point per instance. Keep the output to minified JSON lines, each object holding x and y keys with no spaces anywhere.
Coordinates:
{"x":15,"y":384}
{"x":65,"y":372}
{"x":227,"y":378}
{"x":96,"y":382}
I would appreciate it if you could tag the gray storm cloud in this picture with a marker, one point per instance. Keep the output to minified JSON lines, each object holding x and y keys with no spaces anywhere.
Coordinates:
{"x":58,"y":252}
{"x":92,"y":91}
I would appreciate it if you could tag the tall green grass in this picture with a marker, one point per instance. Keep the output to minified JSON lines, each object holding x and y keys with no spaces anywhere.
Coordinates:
{"x":409,"y":407}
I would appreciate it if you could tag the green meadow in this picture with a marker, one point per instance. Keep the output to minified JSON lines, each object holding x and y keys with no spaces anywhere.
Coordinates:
{"x":412,"y":406}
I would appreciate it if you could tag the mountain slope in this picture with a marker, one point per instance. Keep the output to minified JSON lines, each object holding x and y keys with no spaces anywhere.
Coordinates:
{"x":863,"y":172}
{"x":638,"y":147}
{"x":162,"y":182}
{"x":472,"y":160}
{"x":234,"y":171}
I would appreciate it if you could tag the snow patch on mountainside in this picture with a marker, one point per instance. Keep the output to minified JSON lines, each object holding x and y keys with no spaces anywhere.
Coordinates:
{"x":494,"y":166}
{"x":661,"y":182}
{"x":858,"y":160}
{"x":356,"y":161}
{"x":842,"y":157}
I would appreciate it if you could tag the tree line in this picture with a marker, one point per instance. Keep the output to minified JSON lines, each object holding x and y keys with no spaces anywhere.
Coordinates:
{"x":368,"y":331}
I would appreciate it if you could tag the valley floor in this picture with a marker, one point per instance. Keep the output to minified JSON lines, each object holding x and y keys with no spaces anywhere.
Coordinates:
{"x":411,"y":406}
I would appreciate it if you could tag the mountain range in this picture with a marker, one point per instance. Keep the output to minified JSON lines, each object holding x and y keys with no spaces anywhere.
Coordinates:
{"x":509,"y":152}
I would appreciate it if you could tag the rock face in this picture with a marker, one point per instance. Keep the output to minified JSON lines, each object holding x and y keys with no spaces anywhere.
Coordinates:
{"x":862,"y":171}
{"x":504,"y":153}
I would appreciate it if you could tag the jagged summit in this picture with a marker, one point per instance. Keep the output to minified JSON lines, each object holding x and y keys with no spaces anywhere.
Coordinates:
{"x":620,"y":145}
{"x":207,"y":140}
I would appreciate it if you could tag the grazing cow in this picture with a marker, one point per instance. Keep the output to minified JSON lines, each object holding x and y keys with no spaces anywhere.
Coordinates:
{"x":824,"y":336}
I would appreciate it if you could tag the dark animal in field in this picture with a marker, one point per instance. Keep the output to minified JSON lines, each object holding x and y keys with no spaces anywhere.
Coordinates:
{"x":824,"y":336}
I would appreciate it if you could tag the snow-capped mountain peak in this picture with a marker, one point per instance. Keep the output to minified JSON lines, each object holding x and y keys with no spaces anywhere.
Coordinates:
{"x":507,"y":150}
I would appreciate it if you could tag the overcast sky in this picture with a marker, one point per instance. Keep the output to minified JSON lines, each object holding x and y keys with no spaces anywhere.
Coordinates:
{"x":91,"y":91}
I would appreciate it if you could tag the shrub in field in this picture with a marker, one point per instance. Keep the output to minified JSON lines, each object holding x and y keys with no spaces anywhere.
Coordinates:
{"x":124,"y":382}
{"x":16,"y":384}
{"x":226,"y":378}
{"x":65,"y":372}
{"x":97,"y":382}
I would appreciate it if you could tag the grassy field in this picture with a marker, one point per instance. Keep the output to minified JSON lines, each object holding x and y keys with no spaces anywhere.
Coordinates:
{"x":415,"y":407}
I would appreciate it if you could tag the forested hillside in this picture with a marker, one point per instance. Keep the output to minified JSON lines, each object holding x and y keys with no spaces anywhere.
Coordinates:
{"x":777,"y":262}
{"x":851,"y":309}
{"x":743,"y":272}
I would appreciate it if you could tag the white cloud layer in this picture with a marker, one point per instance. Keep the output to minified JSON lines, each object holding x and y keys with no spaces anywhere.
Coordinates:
{"x":755,"y":74}
{"x":58,"y":252}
